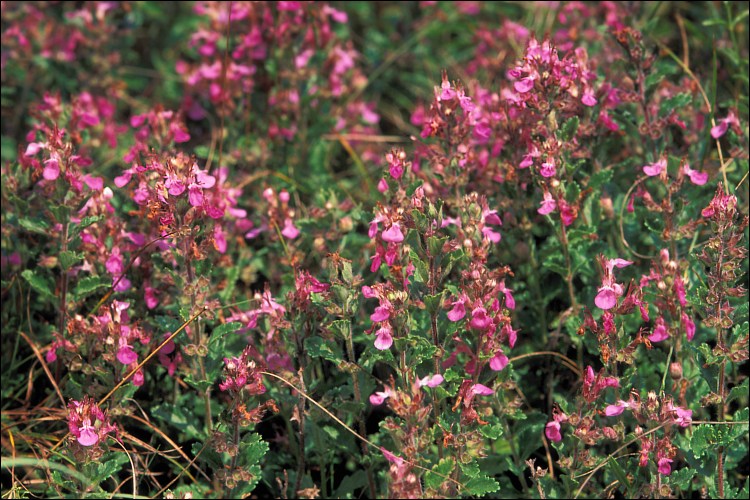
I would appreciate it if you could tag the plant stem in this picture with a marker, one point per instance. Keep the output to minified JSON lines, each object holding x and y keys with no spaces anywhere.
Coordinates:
{"x":358,"y":400}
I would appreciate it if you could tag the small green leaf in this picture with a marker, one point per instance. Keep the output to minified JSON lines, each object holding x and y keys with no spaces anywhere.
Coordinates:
{"x":40,"y":283}
{"x":444,"y":468}
{"x":108,"y":468}
{"x":90,"y":284}
{"x":481,"y":485}
{"x":38,"y":226}
{"x":433,"y":302}
{"x":220,"y":331}
{"x":569,"y":129}
{"x":69,"y":258}
{"x":318,"y":347}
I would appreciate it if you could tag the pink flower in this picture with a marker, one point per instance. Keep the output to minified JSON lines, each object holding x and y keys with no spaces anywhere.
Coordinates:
{"x":548,"y":204}
{"x":688,"y":325}
{"x":697,"y":178}
{"x":382,"y":313}
{"x":660,"y":332}
{"x":479,"y":318}
{"x":51,"y":169}
{"x":393,"y":234}
{"x":552,"y":431}
{"x":289,"y":231}
{"x":548,"y":168}
{"x":664,"y":466}
{"x":481,"y":390}
{"x":458,"y":311}
{"x":606,"y":298}
{"x":616,"y":409}
{"x":126,"y":355}
{"x":433,"y":381}
{"x":721,"y":128}
{"x":498,"y":361}
{"x":654,"y":169}
{"x":377,"y":398}
{"x":588,"y":98}
{"x":384,"y":339}
{"x":524,"y":85}
{"x":391,"y":457}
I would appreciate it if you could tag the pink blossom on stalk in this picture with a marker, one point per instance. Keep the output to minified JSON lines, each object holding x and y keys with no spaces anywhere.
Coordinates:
{"x":481,"y":390}
{"x":552,"y":431}
{"x":548,"y":204}
{"x":391,"y":457}
{"x":616,"y":409}
{"x":660,"y":332}
{"x":548,"y":168}
{"x":431,"y":381}
{"x":664,"y":466}
{"x":696,"y":177}
{"x":498,"y":361}
{"x":510,"y":302}
{"x":688,"y":325}
{"x":51,"y":169}
{"x":393,"y":234}
{"x":588,"y":98}
{"x":458,"y":311}
{"x":378,"y":398}
{"x":721,"y":128}
{"x":125,"y":354}
{"x":654,"y":169}
{"x":289,"y":231}
{"x":382,"y":185}
{"x":479,"y":318}
{"x":606,"y":297}
{"x":83,"y":417}
{"x":383,"y":340}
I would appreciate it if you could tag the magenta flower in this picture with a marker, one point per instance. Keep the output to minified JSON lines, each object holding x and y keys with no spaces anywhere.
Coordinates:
{"x":552,"y":431}
{"x":616,"y":409}
{"x":654,"y":169}
{"x":721,"y":128}
{"x":498,"y":361}
{"x":660,"y":332}
{"x":289,"y":231}
{"x":548,"y":204}
{"x":458,"y":311}
{"x":548,"y":168}
{"x":393,"y":234}
{"x":688,"y":325}
{"x":431,"y":381}
{"x":481,"y":390}
{"x":664,"y":466}
{"x":378,"y":398}
{"x":479,"y":318}
{"x":82,"y":422}
{"x":383,"y":339}
{"x":697,"y":178}
{"x":606,"y":297}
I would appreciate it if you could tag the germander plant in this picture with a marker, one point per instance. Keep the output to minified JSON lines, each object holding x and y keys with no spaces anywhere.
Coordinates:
{"x":437,"y":249}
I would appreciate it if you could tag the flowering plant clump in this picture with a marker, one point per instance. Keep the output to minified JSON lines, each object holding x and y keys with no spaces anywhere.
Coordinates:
{"x":374,"y":249}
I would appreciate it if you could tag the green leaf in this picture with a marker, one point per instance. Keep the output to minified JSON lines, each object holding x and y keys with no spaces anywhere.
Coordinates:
{"x":179,"y":417}
{"x":600,"y":178}
{"x":569,"y":129}
{"x":432,"y":302}
{"x":41,"y":284}
{"x":106,"y":469}
{"x":738,"y":390}
{"x":444,"y":467}
{"x":318,"y":347}
{"x":481,"y":485}
{"x":220,"y":331}
{"x":37,"y":225}
{"x":68,"y":259}
{"x":351,"y":483}
{"x":619,"y":473}
{"x":492,"y":431}
{"x":90,"y":284}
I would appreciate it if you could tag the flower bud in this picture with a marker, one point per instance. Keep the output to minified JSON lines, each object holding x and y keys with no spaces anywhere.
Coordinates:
{"x":675,"y":370}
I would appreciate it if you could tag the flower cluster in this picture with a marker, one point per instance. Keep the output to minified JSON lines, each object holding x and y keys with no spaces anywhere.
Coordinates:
{"x":88,"y":423}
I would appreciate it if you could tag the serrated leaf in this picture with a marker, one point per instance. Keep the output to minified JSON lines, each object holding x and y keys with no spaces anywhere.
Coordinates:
{"x":481,"y":485}
{"x":178,"y":417}
{"x":37,"y":226}
{"x":318,"y":347}
{"x":108,"y":468}
{"x":433,"y":302}
{"x":68,"y":259}
{"x":569,"y":129}
{"x":739,"y":390}
{"x":600,"y":178}
{"x":90,"y":284}
{"x":208,"y":455}
{"x":491,"y":431}
{"x":444,"y":468}
{"x":252,"y":448}
{"x":39,"y":283}
{"x":220,"y":331}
